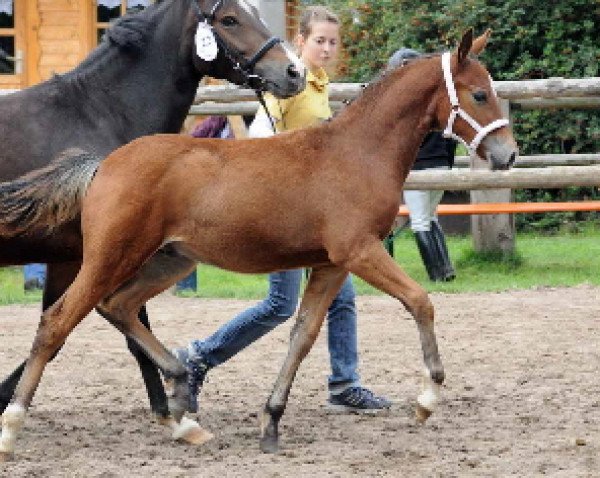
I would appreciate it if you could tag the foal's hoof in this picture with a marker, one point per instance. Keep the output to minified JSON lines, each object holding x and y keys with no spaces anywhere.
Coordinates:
{"x":422,"y":414}
{"x":269,"y":444}
{"x":187,"y":430}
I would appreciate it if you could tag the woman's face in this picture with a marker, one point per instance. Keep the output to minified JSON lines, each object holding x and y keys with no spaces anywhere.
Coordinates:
{"x":320,"y":48}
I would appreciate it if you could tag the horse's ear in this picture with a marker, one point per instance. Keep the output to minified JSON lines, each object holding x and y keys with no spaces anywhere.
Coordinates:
{"x":480,"y":42}
{"x":465,"y":46}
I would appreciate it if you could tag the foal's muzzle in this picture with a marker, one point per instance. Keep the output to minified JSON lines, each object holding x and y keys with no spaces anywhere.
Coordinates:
{"x":500,"y":154}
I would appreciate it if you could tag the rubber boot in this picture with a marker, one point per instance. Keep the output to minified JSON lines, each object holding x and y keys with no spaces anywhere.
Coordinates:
{"x":430,"y":255}
{"x":446,"y":267}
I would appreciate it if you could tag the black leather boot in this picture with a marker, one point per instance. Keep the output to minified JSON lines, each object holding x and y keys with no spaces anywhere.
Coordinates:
{"x":447,"y":269}
{"x":430,"y":255}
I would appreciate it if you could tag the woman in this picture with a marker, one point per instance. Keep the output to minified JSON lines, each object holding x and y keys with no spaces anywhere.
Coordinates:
{"x":317,"y":41}
{"x":436,"y":152}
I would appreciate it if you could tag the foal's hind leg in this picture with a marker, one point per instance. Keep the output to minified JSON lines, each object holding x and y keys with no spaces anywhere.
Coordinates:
{"x":162,"y":270}
{"x":324,"y":283}
{"x":56,"y":324}
{"x":374,"y":265}
{"x":58,"y":278}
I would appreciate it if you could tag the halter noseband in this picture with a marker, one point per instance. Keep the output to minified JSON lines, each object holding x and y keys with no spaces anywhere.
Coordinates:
{"x":240,"y":64}
{"x":481,"y":131}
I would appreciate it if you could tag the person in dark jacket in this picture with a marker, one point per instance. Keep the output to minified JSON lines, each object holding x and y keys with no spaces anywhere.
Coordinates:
{"x":435,"y":152}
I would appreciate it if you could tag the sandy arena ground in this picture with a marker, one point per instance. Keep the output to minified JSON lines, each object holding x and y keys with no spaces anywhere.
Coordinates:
{"x":522,"y":396}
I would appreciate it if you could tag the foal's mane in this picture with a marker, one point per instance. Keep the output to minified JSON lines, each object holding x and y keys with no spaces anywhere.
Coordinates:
{"x":373,"y":89}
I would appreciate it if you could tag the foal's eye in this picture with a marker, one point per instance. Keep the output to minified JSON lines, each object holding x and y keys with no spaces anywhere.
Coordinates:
{"x":480,"y":96}
{"x":229,"y":21}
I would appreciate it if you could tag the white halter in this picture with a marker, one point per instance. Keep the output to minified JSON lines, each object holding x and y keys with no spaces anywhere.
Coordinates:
{"x":482,"y":131}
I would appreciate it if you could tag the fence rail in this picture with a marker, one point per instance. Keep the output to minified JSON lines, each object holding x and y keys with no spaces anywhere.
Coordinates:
{"x":541,"y":160}
{"x":549,"y":88}
{"x":477,"y":179}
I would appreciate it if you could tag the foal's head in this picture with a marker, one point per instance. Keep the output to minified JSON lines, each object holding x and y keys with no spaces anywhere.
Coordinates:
{"x":241,"y":38}
{"x":467,"y":107}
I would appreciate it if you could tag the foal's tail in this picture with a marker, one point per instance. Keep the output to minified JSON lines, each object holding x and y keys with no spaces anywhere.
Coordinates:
{"x":47,"y":197}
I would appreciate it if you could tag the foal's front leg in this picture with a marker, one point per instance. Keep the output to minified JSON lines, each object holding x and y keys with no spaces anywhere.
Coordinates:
{"x":374,"y":265}
{"x":323,"y":284}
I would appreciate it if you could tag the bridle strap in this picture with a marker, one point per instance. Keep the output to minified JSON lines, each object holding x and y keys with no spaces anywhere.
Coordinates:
{"x":480,"y":131}
{"x":206,"y":17}
{"x":270,"y":43}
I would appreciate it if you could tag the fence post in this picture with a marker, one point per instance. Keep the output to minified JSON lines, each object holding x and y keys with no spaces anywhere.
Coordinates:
{"x":494,"y":232}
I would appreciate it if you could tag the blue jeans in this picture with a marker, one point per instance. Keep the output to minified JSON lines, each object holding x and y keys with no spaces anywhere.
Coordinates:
{"x":35,"y":271}
{"x":189,"y":282}
{"x":280,"y":304}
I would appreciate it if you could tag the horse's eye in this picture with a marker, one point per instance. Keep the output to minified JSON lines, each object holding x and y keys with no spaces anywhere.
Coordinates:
{"x":229,"y":21}
{"x":480,"y":96}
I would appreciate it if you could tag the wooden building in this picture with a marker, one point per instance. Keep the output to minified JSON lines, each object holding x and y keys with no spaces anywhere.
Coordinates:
{"x":42,"y":37}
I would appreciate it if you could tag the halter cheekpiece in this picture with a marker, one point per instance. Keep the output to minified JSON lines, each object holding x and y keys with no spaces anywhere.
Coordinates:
{"x":481,"y":131}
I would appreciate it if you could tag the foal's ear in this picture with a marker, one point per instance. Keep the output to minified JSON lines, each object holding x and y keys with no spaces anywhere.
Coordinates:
{"x":465,"y":46}
{"x":480,"y":42}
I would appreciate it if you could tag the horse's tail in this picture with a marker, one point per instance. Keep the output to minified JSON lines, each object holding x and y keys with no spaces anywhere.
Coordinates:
{"x":47,"y":197}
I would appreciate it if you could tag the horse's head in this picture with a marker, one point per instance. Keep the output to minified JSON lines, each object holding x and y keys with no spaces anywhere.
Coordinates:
{"x":467,"y":106}
{"x":231,"y":33}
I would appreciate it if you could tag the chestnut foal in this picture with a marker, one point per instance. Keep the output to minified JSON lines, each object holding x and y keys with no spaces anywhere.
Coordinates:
{"x":323,"y":197}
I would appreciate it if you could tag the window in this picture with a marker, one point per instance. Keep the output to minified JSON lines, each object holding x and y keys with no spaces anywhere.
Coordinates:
{"x":108,"y":11}
{"x":7,"y":38}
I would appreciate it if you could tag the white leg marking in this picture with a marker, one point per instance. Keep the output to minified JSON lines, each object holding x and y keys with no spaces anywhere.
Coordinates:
{"x":430,"y":395}
{"x":12,"y":421}
{"x":190,"y":431}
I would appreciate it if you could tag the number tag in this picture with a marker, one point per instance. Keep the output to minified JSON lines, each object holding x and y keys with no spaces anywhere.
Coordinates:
{"x":206,"y":43}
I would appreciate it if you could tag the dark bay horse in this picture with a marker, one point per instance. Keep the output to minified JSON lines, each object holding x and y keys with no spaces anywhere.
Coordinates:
{"x":323,"y":197}
{"x":141,"y":80}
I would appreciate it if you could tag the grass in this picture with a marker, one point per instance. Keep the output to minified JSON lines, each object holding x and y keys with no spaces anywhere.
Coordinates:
{"x":563,"y":259}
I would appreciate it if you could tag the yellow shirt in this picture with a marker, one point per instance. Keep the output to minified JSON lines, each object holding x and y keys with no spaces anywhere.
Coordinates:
{"x":307,"y":108}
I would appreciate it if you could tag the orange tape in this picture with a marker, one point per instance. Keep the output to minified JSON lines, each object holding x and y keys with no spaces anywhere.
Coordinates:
{"x":511,"y":207}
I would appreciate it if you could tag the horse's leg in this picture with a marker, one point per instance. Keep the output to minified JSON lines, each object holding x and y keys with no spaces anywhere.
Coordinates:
{"x":323,"y":284}
{"x":58,"y":278}
{"x":7,"y":387}
{"x":374,"y":265}
{"x":150,"y":374}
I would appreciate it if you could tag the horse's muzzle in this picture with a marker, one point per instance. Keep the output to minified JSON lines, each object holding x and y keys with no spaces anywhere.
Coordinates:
{"x":500,"y":154}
